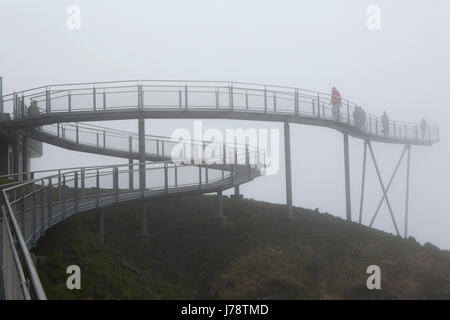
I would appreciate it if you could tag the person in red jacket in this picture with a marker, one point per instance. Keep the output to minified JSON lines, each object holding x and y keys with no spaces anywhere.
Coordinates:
{"x":336,"y":102}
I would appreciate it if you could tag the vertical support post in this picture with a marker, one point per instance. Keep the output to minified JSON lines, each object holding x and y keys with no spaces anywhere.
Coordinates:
{"x":33,"y":206}
{"x":130,"y":164}
{"x":101,"y":224}
{"x":77,"y":133}
{"x":265,"y":99}
{"x":318,"y":104}
{"x":63,"y":199}
{"x":69,"y":100}
{"x":15,"y":149}
{"x":141,"y":125}
{"x":49,"y":202}
{"x":287,"y":162}
{"x":166,"y":178}
{"x":363,"y":183}
{"x":116,"y":183}
{"x":231,"y":96}
{"x":176,"y":175}
{"x":42,"y":202}
{"x":296,"y":102}
{"x":94,"y":98}
{"x":219,"y":204}
{"x":75,"y":197}
{"x":186,"y":103}
{"x":97,"y":191}
{"x":348,"y":202}
{"x":236,"y":188}
{"x":407,"y":190}
{"x":25,"y":157}
{"x":104,"y":100}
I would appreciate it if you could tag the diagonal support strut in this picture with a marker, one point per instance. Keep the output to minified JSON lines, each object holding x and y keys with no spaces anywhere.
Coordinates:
{"x":388,"y":185}
{"x":383,"y":188}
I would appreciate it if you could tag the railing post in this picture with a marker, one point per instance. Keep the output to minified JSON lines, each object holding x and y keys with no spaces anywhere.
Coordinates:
{"x":186,"y":103}
{"x":130,"y":164}
{"x":166,"y":178}
{"x":376,"y":125}
{"x":63,"y":200}
{"x":116,"y":183}
{"x":82,"y":182}
{"x":104,"y":138}
{"x":246,"y":100}
{"x":176,"y":175}
{"x":48,"y":103}
{"x":274,"y":101}
{"x":224,"y":153}
{"x":318,"y":104}
{"x":217,"y":98}
{"x":180,"y":99}
{"x":104,"y":100}
{"x":77,"y":133}
{"x":265,"y":99}
{"x":59,"y":186}
{"x":97,"y":191}
{"x":75,"y":197}
{"x":296,"y":102}
{"x":94,"y":97}
{"x":69,"y":100}
{"x":49,"y":202}
{"x":42,"y":208}
{"x":33,"y":206}
{"x":231,"y":96}
{"x":199,"y":177}
{"x":97,"y":135}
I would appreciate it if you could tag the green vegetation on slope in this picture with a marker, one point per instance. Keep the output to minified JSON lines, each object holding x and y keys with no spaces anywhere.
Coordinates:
{"x":255,"y":254}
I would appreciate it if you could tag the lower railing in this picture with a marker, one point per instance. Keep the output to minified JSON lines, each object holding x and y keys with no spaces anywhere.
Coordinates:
{"x":33,"y":206}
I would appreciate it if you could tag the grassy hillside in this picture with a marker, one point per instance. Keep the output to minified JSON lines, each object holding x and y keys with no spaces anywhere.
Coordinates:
{"x":255,"y":254}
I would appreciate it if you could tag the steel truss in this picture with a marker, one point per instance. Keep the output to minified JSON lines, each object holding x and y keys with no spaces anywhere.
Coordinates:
{"x":406,"y":151}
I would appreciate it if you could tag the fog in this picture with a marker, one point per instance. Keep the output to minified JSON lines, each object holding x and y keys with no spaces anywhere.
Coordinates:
{"x":402,"y":68}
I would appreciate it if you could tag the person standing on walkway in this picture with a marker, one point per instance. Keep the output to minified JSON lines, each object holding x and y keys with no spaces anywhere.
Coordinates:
{"x":423,"y":127}
{"x":336,"y":102}
{"x":385,"y":123}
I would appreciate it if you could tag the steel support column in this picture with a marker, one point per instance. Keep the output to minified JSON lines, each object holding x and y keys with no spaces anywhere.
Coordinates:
{"x":141,"y":154}
{"x":287,"y":161}
{"x":348,"y":202}
{"x":407,"y":190}
{"x":25,"y":157}
{"x":236,"y":191}
{"x":15,"y":150}
{"x":130,"y":164}
{"x":363,"y":182}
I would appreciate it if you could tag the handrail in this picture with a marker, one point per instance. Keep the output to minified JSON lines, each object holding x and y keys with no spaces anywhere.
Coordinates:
{"x":227,"y":93}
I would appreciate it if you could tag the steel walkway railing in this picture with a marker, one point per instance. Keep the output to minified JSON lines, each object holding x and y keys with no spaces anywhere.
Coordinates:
{"x":212,"y":98}
{"x":50,"y":196}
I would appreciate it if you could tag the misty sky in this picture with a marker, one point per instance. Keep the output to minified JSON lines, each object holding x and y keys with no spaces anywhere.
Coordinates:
{"x":402,"y":68}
